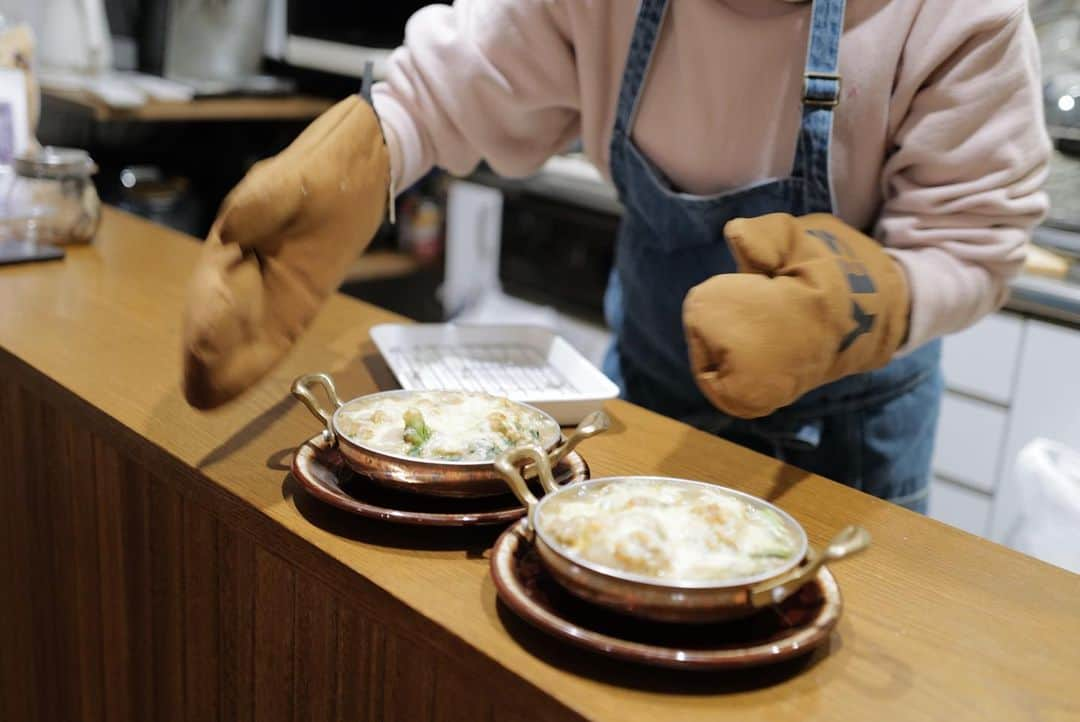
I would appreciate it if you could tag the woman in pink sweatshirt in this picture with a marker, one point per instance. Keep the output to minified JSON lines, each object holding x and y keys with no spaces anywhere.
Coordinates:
{"x":918,"y":121}
{"x":901,"y":142}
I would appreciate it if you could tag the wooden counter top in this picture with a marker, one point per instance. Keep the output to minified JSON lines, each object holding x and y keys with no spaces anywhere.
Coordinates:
{"x":288,"y":107}
{"x":938,"y":624}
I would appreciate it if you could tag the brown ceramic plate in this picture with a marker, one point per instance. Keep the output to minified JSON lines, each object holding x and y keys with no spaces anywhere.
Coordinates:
{"x":324,"y":473}
{"x":794,"y":628}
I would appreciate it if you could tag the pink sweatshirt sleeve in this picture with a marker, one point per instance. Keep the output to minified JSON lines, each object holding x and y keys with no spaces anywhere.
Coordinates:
{"x":492,"y":79}
{"x":967,"y":150}
{"x":962,"y":185}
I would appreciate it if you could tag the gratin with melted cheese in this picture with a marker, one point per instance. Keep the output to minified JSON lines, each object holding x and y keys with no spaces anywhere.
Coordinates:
{"x":668,"y":531}
{"x":443,"y":425}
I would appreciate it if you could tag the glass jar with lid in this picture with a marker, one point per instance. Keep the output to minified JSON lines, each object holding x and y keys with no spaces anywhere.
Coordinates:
{"x":51,"y":198}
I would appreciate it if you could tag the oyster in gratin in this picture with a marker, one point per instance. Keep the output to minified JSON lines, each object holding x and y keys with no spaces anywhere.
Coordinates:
{"x":668,"y":531}
{"x":444,"y":425}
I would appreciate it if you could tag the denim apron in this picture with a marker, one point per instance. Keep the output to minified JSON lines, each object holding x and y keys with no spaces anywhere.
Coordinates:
{"x":872,"y":431}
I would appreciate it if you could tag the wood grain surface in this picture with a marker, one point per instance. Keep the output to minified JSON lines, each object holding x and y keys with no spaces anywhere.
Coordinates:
{"x":288,"y":107}
{"x":161,"y":564}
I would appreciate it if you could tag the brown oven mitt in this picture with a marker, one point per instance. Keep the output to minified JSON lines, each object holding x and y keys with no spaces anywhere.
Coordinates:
{"x":814,"y":301}
{"x":281,"y":244}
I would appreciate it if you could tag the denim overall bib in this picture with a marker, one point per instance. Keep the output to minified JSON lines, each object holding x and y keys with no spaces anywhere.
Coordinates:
{"x":873,"y":431}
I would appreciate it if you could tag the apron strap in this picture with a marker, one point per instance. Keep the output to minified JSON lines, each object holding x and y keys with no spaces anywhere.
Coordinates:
{"x":650,"y":18}
{"x":821,"y":91}
{"x":821,"y":94}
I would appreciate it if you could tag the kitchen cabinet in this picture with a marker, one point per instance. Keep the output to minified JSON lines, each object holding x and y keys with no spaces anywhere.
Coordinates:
{"x":1047,"y":405}
{"x":981,"y":361}
{"x":980,"y":366}
{"x":960,"y":506}
{"x":1009,"y":380}
{"x":970,"y":436}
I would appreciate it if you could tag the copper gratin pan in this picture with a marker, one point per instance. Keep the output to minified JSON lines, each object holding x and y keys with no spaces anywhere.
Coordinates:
{"x":661,"y":600}
{"x":434,"y":477}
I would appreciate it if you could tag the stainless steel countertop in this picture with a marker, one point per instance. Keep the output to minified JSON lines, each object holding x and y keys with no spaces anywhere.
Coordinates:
{"x":1045,"y":298}
{"x":1058,"y":300}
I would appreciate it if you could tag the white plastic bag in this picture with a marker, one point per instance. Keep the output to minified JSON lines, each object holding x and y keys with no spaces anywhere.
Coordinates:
{"x":1048,"y":475}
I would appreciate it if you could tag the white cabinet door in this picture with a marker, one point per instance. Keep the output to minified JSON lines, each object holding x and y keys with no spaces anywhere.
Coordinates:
{"x":1046,"y":404}
{"x":981,"y":360}
{"x":970,"y":437}
{"x":960,"y":506}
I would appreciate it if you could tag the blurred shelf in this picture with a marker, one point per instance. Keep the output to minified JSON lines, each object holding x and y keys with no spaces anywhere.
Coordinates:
{"x":290,"y":107}
{"x":570,"y":179}
{"x":381,"y":265}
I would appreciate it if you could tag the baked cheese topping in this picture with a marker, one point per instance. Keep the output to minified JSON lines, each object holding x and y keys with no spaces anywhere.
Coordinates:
{"x":666,"y":530}
{"x":443,"y":425}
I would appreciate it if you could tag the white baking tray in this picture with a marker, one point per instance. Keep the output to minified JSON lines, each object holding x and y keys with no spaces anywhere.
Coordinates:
{"x":524,"y":363}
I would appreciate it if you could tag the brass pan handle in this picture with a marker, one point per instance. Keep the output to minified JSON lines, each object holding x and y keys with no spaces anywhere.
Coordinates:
{"x":303,"y":389}
{"x":508,"y":465}
{"x":595,"y":423}
{"x":851,"y":540}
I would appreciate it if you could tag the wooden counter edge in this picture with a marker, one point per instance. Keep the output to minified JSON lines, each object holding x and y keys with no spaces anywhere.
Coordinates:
{"x":295,"y":550}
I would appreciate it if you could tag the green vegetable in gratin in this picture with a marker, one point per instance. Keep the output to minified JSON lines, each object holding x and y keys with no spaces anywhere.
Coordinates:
{"x":444,"y":425}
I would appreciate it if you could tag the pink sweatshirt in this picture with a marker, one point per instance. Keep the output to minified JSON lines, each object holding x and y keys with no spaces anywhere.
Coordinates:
{"x":938,"y":141}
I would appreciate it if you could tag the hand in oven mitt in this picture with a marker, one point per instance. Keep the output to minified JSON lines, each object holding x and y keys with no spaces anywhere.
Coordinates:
{"x":281,"y":244}
{"x":814,"y":301}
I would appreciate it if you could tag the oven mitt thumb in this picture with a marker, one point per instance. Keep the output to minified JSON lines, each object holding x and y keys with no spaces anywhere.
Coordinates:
{"x":281,"y":244}
{"x":814,"y":300}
